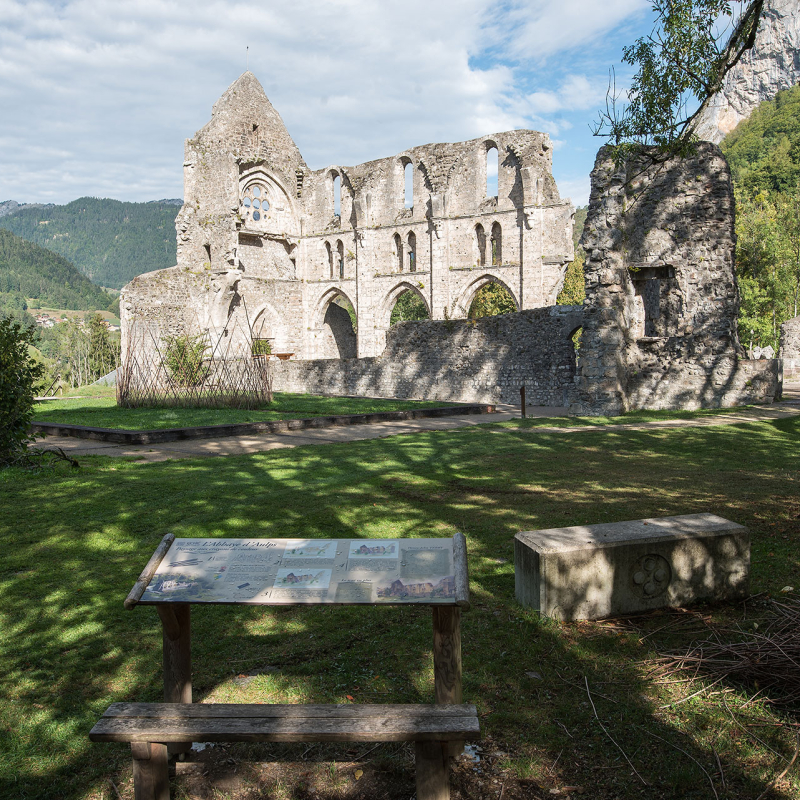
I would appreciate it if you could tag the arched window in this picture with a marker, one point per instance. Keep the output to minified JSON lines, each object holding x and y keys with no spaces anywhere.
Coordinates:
{"x":409,"y":184}
{"x":492,"y":168}
{"x":254,"y":206}
{"x":497,"y":245}
{"x":337,"y":195}
{"x":480,"y":246}
{"x":329,"y":253}
{"x":340,"y":256}
{"x":412,"y":252}
{"x":398,"y":251}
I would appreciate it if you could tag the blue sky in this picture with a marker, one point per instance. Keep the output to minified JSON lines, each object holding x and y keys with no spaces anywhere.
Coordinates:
{"x":97,"y":96}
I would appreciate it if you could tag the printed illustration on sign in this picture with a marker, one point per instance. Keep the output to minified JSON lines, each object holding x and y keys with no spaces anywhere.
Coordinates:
{"x":417,"y":590}
{"x":303,"y":579}
{"x":373,"y":548}
{"x":310,"y":548}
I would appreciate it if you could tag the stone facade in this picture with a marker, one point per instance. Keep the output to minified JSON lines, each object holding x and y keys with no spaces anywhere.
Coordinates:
{"x":772,"y":64}
{"x":267,"y":245}
{"x":483,"y":360}
{"x":790,"y":349}
{"x":661,"y":294}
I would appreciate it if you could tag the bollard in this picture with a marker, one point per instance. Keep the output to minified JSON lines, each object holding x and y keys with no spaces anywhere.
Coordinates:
{"x":522,"y":401}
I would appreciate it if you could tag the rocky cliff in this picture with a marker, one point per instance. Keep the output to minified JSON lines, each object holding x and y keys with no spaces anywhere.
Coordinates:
{"x":772,"y":64}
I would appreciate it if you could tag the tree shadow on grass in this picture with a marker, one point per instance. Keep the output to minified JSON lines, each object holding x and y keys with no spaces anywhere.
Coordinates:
{"x":78,"y":542}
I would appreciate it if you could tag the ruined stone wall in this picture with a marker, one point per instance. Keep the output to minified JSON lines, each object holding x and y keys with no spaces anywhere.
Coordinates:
{"x":790,"y":349}
{"x":264,"y":231}
{"x":485,"y":360}
{"x":661,"y":294}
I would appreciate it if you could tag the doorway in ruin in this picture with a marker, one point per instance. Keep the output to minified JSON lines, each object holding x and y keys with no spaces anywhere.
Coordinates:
{"x":337,"y":327}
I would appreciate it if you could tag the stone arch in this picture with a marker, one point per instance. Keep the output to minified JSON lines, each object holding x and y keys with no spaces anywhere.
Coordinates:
{"x":461,"y":307}
{"x":277,"y":210}
{"x":334,"y":335}
{"x":391,"y":298}
{"x":267,"y":323}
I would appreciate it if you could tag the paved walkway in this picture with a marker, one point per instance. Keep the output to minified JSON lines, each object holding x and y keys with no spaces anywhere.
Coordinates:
{"x":240,"y":445}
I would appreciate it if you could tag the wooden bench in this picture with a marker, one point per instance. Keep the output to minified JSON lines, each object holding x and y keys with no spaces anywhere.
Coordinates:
{"x":150,"y":727}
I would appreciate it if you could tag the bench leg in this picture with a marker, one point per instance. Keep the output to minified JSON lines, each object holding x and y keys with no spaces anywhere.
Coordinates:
{"x":150,"y":771}
{"x":433,"y":770}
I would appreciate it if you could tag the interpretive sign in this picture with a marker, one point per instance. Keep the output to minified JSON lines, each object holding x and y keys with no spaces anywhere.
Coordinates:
{"x":276,"y":571}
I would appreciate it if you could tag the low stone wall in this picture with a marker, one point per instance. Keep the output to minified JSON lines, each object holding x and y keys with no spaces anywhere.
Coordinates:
{"x":472,"y":361}
{"x":667,"y":378}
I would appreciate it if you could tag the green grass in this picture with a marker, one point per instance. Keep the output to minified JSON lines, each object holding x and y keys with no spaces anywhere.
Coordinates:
{"x":97,"y":407}
{"x":74,"y":541}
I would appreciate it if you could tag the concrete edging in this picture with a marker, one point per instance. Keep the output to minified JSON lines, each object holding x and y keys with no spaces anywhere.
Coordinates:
{"x":243,"y":428}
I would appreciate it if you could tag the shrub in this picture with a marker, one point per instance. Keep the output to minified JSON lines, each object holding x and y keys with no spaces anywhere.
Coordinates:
{"x":261,"y":347}
{"x":18,"y":375}
{"x":184,"y":359}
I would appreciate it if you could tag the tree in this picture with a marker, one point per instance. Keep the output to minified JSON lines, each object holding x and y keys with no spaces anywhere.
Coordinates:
{"x":19,"y":372}
{"x":491,"y":299}
{"x":681,"y":65}
{"x":409,"y":306}
{"x":103,"y":356}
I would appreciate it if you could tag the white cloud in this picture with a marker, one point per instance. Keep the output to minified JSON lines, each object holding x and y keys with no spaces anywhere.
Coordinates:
{"x":98,"y":96}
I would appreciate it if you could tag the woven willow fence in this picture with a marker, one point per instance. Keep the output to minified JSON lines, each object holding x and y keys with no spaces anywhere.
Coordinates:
{"x":229,"y":369}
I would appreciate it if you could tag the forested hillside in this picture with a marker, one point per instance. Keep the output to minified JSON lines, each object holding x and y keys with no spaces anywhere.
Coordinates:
{"x":110,"y":242}
{"x":764,"y":154}
{"x":27,"y":270}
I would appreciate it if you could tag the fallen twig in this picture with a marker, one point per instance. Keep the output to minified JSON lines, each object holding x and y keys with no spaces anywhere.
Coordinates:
{"x":605,"y":731}
{"x":688,"y":755}
{"x":788,"y":767}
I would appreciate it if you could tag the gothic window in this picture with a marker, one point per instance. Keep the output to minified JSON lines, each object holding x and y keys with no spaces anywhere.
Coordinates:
{"x":497,"y":245}
{"x":337,"y":195}
{"x":329,"y":253}
{"x":412,"y":252}
{"x":408,"y":174}
{"x":340,"y":257}
{"x":480,"y":246}
{"x":254,"y":206}
{"x":492,"y":168}
{"x":398,"y":251}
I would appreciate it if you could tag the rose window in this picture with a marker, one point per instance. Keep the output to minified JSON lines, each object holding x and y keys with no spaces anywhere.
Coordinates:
{"x":254,"y":203}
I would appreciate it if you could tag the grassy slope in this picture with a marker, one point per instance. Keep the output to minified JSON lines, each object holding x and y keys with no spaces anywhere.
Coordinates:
{"x":102,"y":412}
{"x":109,"y":241}
{"x":78,"y":539}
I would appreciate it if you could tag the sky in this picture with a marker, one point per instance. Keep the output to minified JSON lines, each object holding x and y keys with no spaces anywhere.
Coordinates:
{"x":98,"y":96}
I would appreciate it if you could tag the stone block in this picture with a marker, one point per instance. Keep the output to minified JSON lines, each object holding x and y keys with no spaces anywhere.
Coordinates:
{"x":613,"y":568}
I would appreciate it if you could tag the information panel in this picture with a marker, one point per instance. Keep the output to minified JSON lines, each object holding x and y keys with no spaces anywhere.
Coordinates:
{"x":289,"y":571}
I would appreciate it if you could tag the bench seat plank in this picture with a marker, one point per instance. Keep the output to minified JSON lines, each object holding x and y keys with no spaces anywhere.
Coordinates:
{"x":284,"y":711}
{"x":271,"y":729}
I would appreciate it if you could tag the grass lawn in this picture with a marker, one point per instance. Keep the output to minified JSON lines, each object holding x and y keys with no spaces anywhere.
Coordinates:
{"x":99,"y":409}
{"x":74,"y":541}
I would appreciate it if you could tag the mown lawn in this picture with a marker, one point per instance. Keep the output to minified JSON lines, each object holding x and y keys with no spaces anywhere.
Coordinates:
{"x":74,"y":541}
{"x":102,"y":411}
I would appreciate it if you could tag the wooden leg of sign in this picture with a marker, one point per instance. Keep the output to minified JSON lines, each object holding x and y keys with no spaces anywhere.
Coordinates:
{"x":433,"y":771}
{"x":177,"y":639}
{"x":150,"y":771}
{"x":447,"y":659}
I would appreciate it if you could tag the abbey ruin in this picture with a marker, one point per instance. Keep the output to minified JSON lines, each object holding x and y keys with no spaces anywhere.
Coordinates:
{"x":270,"y":250}
{"x":266,"y":244}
